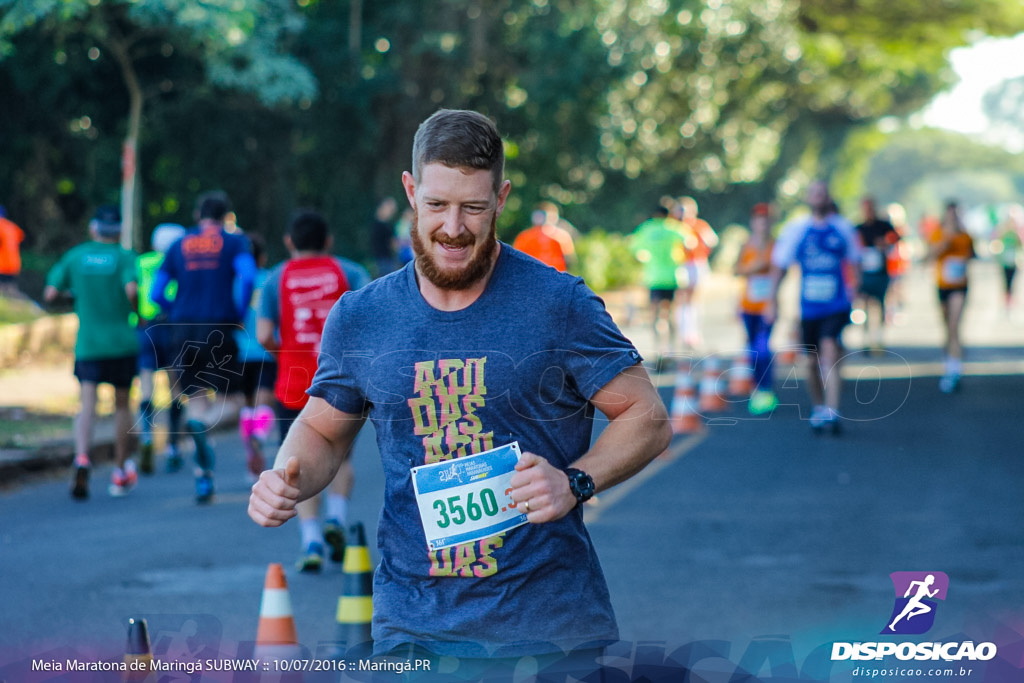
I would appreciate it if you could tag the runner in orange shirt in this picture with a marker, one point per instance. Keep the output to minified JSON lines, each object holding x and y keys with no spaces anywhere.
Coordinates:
{"x":951,"y":247}
{"x":546,"y":242}
{"x":701,"y":240}
{"x":11,"y":237}
{"x":754,"y":263}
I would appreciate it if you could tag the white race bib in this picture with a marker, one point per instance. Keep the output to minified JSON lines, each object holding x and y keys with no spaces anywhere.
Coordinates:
{"x":871,"y":260}
{"x":759,"y":288}
{"x":954,"y":270}
{"x":467,"y":499}
{"x":819,"y":288}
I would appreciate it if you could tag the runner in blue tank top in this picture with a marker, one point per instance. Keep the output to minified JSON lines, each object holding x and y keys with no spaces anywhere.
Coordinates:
{"x":824,"y":246}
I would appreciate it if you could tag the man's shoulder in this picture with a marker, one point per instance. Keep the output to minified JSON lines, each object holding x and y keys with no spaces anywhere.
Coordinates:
{"x":844,"y":226}
{"x":529,"y":232}
{"x":518,"y":260}
{"x":796,"y":226}
{"x":537,"y":281}
{"x":382,"y":291}
{"x":357,"y":276}
{"x":237,"y":241}
{"x":274,"y":274}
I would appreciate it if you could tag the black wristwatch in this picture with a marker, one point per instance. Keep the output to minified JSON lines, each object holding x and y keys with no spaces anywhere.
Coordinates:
{"x":581,"y":484}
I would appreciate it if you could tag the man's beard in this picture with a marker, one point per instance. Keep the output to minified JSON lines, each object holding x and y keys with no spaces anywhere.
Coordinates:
{"x":454,"y":279}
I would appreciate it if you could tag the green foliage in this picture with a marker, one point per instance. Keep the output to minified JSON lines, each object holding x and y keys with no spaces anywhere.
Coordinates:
{"x":606,"y":106}
{"x":139,"y":53}
{"x":16,"y":310}
{"x":605,"y":261}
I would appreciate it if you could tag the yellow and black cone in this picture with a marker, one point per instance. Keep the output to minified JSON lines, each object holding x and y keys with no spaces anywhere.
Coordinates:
{"x":138,"y":656}
{"x":355,"y":606}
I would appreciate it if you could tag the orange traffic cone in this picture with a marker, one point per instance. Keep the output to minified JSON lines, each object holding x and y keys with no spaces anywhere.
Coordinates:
{"x":711,"y":400}
{"x":276,"y":635}
{"x":741,"y":376}
{"x":685,"y":419}
{"x":138,"y":656}
{"x":355,"y":606}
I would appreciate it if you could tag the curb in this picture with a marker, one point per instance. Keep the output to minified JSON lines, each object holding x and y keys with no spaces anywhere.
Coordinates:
{"x":16,"y":463}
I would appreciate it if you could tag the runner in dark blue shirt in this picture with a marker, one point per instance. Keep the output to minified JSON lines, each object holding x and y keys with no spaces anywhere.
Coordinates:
{"x":214,"y":271}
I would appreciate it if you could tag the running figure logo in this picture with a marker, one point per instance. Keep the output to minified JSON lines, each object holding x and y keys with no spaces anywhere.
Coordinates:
{"x":914,"y":612}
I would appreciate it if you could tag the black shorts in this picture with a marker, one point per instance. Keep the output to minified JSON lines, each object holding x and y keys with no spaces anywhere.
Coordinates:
{"x":944,"y":294}
{"x":874,"y":285}
{"x":155,"y":350}
{"x":206,"y":358}
{"x":659,"y":295}
{"x":829,"y":327}
{"x":118,"y":372}
{"x":285,"y":419}
{"x":259,"y":374}
{"x":1008,"y":273}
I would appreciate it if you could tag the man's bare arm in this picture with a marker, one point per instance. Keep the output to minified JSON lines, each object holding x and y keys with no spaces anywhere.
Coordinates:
{"x":638,"y":431}
{"x":317,"y":443}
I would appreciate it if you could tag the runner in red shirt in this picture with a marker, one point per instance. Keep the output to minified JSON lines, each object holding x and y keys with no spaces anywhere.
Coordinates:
{"x":297,"y":298}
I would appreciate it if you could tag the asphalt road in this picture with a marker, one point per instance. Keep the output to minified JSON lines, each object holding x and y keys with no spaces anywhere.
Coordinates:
{"x":751,"y":546}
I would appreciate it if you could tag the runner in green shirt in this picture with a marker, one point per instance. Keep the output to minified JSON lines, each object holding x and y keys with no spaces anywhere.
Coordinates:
{"x":658,"y":248}
{"x":100,"y":275}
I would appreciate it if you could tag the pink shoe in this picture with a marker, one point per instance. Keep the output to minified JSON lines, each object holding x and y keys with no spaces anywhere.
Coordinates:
{"x":262,"y":421}
{"x":245,"y":424}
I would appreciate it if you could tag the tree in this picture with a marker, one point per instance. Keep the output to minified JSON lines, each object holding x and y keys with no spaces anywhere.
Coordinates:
{"x":1004,"y":107}
{"x":723,"y":93}
{"x":238,"y":43}
{"x":922,"y":169}
{"x":605,"y":105}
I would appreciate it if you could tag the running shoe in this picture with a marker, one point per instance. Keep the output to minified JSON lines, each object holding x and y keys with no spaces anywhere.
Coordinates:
{"x":204,"y":452}
{"x":146,"y":457}
{"x":312,"y":560}
{"x":254,"y":456}
{"x":80,"y":483}
{"x":174,"y":460}
{"x":335,"y":538}
{"x":262,"y":421}
{"x":762,"y":402}
{"x":819,"y":416}
{"x":245,"y":423}
{"x":949,"y":383}
{"x":204,"y":487}
{"x":122,"y":482}
{"x":833,"y":424}
{"x":825,"y":419}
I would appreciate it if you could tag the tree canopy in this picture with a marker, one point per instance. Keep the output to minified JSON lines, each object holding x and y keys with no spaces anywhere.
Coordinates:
{"x":606,"y":105}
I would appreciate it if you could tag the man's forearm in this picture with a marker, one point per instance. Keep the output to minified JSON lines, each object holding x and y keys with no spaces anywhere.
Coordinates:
{"x":627,"y":445}
{"x":319,"y":458}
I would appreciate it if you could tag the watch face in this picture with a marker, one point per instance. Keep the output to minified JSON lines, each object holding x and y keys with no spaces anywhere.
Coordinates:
{"x":587,"y":486}
{"x":582,"y":485}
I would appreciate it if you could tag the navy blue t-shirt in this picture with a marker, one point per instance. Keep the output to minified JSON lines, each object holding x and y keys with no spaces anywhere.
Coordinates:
{"x":204,"y":264}
{"x":519,"y":364}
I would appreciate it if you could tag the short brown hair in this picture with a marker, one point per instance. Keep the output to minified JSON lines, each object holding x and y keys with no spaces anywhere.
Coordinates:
{"x":459,"y":138}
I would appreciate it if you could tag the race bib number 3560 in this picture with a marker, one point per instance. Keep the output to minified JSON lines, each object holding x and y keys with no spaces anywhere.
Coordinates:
{"x":467,"y":499}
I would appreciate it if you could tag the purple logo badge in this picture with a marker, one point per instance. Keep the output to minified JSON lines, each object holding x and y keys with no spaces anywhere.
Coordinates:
{"x":916,"y":596}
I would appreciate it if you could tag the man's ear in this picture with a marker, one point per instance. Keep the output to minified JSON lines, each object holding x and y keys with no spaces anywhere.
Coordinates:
{"x":409,"y":183}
